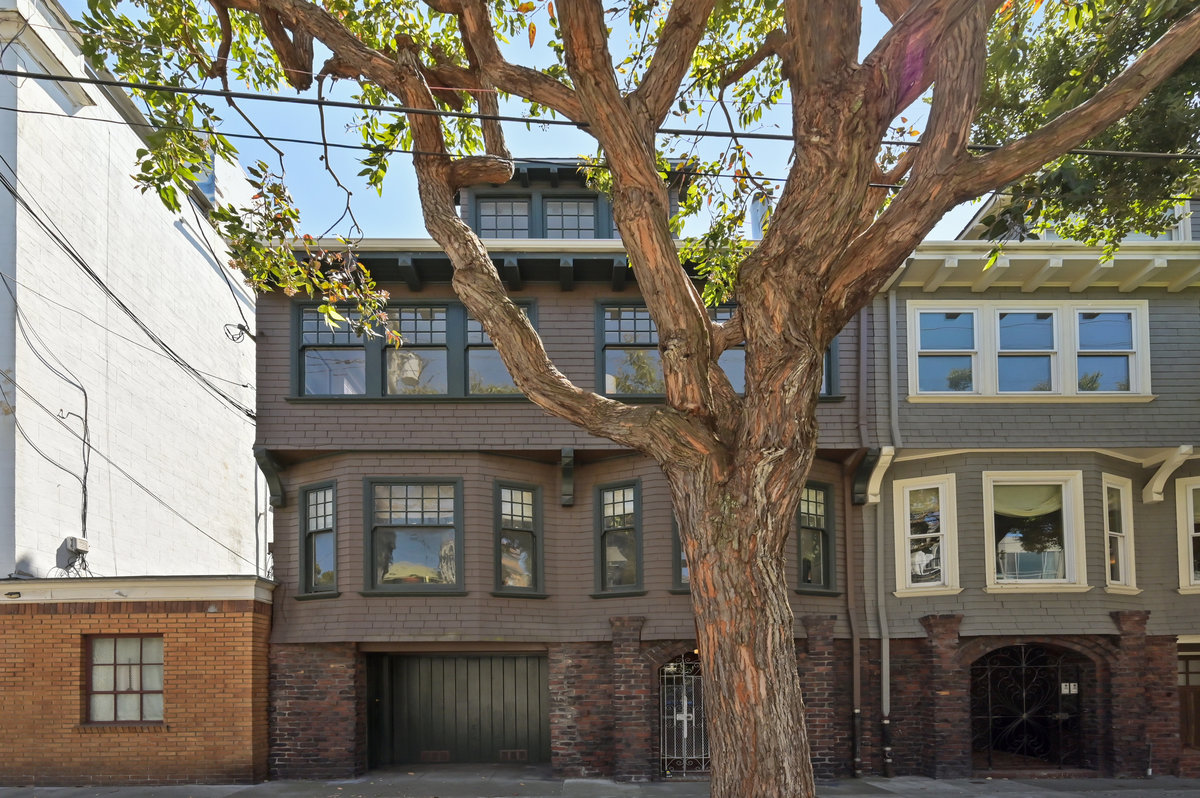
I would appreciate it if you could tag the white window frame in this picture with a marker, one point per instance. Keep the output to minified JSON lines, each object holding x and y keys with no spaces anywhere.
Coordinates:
{"x":1075,"y":555}
{"x":1064,"y":358}
{"x":1184,"y":506}
{"x":945,"y":485}
{"x":1128,"y":582}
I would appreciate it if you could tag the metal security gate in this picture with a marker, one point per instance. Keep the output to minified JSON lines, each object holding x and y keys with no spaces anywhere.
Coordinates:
{"x":683,"y":733}
{"x":1025,"y":703}
{"x":486,"y":708}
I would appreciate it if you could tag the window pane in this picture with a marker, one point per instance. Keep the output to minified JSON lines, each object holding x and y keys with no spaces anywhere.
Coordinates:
{"x":129,"y":706}
{"x":129,"y":649}
{"x":925,"y":560}
{"x":633,"y":371}
{"x":128,"y":677}
{"x":103,"y":649}
{"x":685,"y":574}
{"x":812,"y":508}
{"x":1106,"y":331}
{"x":1195,"y":558}
{"x":516,"y":559}
{"x":812,"y":557}
{"x":1116,"y":519}
{"x":316,"y":330}
{"x":417,"y":504}
{"x":102,"y":678}
{"x":620,"y":558}
{"x":947,"y":330}
{"x":319,"y":509}
{"x":335,"y":372}
{"x":945,"y":373}
{"x":152,"y":649}
{"x":570,"y":219}
{"x":516,"y":508}
{"x":487,"y":374}
{"x":152,"y":677}
{"x":1104,"y":372}
{"x":733,"y":362}
{"x":415,"y":556}
{"x":152,"y":706}
{"x":1115,"y":544}
{"x":1024,"y":373}
{"x":1024,"y":331}
{"x":324,"y":568}
{"x":504,"y":218}
{"x":414,"y":372}
{"x":1030,"y":537}
{"x":421,"y":325}
{"x":629,"y":325}
{"x":617,"y":507}
{"x":103,"y":709}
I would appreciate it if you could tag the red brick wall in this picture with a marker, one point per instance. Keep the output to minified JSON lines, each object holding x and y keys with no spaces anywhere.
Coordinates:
{"x":581,"y":709}
{"x":215,"y":679}
{"x":318,"y":711}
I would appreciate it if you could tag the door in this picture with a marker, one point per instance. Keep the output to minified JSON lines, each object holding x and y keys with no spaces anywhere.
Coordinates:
{"x":473,"y":709}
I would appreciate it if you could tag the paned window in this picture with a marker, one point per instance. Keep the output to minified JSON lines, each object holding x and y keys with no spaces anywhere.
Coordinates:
{"x":125,"y":679}
{"x":320,"y":544}
{"x":926,"y":538}
{"x":570,"y":218}
{"x":619,"y":542}
{"x":518,"y":539}
{"x":415,"y":536}
{"x":333,"y":360}
{"x":629,"y":359}
{"x":682,"y":577}
{"x":815,"y":538}
{"x":504,"y":218}
{"x":1033,"y":349}
{"x":1034,"y":526}
{"x":1118,"y":531}
{"x":1187,"y":508}
{"x":445,"y":352}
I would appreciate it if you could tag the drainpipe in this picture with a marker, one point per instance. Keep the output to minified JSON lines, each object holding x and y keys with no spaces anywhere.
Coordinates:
{"x":849,"y":466}
{"x":885,"y":643}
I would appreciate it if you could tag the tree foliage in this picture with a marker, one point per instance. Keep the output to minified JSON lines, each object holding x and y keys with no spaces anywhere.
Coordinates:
{"x":1032,"y":79}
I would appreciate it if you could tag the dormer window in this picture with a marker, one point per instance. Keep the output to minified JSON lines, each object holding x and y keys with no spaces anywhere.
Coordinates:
{"x":573,"y":218}
{"x":504,"y":218}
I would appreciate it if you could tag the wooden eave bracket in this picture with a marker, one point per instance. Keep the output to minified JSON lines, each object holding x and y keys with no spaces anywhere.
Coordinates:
{"x":409,"y":273}
{"x":566,"y":274}
{"x":886,"y":455}
{"x":512,"y":274}
{"x":619,"y":273}
{"x":567,"y":467}
{"x":270,"y":472}
{"x":1153,"y":492}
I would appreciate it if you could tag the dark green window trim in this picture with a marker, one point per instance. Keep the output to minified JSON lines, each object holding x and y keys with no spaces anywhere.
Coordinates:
{"x":312,"y":501}
{"x":830,"y":387}
{"x":826,"y":534}
{"x":602,"y":560}
{"x":415,"y":584}
{"x":375,"y":349}
{"x":534,"y":532}
{"x":536,"y":197}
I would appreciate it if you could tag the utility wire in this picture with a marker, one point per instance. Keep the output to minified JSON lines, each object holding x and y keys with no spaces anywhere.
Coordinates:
{"x":21,"y":389}
{"x":525,"y":120}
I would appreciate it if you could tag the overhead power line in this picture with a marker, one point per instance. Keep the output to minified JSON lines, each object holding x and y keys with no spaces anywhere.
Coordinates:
{"x":524,"y":120}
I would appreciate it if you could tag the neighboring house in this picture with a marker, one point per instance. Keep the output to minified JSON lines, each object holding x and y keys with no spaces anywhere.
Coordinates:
{"x":126,"y":464}
{"x":463,"y":578}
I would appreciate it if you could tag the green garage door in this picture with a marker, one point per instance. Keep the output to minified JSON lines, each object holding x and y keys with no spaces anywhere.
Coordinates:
{"x":486,"y":708}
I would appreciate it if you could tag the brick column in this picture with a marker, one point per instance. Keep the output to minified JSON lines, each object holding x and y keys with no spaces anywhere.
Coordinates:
{"x":1130,"y":747}
{"x":817,"y":681}
{"x":630,"y":701}
{"x":317,"y":712}
{"x":949,"y":741}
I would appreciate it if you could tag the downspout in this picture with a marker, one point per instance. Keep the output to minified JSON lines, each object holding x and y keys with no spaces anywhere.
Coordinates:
{"x":885,"y":643}
{"x":849,"y":466}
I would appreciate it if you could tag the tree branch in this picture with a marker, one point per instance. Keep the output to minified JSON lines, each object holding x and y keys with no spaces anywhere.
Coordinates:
{"x":1119,"y":97}
{"x":894,"y":9}
{"x":823,"y":39}
{"x":772,"y":44}
{"x":672,"y":59}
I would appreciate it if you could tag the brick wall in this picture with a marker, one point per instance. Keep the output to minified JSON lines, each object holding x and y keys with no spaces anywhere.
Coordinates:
{"x":581,"y":709}
{"x":318,"y":711}
{"x":215,"y":674}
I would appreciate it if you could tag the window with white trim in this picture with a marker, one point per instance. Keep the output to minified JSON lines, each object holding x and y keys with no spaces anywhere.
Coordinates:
{"x":1187,"y":508}
{"x":1014,"y":348}
{"x":926,"y":535}
{"x":1118,"y":531}
{"x":1033,"y":523}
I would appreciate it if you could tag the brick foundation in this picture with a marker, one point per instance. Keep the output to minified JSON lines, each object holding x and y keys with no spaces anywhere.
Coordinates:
{"x":214,"y":694}
{"x":318,"y":712}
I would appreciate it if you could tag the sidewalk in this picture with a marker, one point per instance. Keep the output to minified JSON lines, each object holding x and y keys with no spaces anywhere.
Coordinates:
{"x":483,"y":781}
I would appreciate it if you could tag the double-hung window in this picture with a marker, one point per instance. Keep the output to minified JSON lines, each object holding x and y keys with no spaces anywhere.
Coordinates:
{"x":618,"y":538}
{"x":319,"y":541}
{"x":926,"y":536}
{"x":1015,"y":349}
{"x":125,"y":679}
{"x":518,"y":539}
{"x":1033,"y":524}
{"x":415,"y":535}
{"x":445,"y":353}
{"x":815,"y":536}
{"x":1187,"y":512}
{"x":1118,"y":534}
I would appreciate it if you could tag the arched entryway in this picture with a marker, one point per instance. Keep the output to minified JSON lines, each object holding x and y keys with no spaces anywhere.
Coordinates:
{"x":1028,"y":707}
{"x":683,"y":734}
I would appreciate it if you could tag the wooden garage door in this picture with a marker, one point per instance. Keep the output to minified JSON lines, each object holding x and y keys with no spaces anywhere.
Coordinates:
{"x":487,"y":708}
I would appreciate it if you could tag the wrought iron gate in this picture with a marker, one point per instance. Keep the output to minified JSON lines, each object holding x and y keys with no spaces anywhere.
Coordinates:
{"x":683,"y":734}
{"x":1025,"y":709}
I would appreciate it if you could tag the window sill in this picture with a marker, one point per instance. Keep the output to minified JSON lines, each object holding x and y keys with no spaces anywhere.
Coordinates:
{"x":1018,"y":398}
{"x":618,"y":594}
{"x":403,"y":593}
{"x":136,"y":727}
{"x":917,"y":592}
{"x":816,"y":591}
{"x":1189,"y":590}
{"x":327,"y":594}
{"x":514,"y":594}
{"x":1123,"y":590}
{"x":680,"y":591}
{"x":1035,"y":587}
